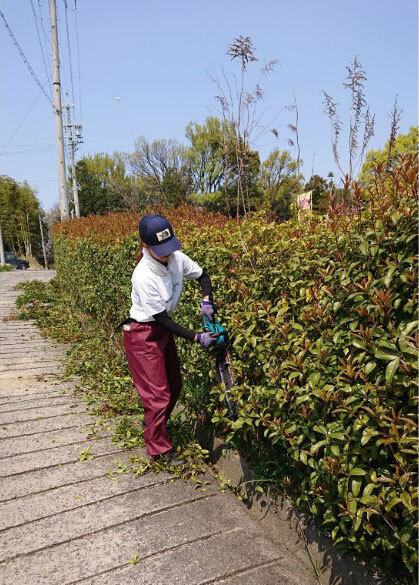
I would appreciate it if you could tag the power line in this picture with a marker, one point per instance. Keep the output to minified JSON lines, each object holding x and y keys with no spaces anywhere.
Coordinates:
{"x":42,"y":49}
{"x":69,"y":51}
{"x":27,"y":145}
{"x":28,"y":151}
{"x":23,"y":119}
{"x":78,"y":59}
{"x":31,"y":71}
{"x":46,"y":38}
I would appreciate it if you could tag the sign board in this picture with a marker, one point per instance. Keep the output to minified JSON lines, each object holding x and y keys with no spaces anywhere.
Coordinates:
{"x":304,"y":201}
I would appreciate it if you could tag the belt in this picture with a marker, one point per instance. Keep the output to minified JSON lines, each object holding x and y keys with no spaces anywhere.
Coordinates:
{"x":131,"y":320}
{"x":125,"y":322}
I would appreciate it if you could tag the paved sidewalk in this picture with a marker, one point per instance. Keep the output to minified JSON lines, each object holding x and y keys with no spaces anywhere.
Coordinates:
{"x":64,"y":521}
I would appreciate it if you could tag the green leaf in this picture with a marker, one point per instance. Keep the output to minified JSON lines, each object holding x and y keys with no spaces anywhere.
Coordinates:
{"x":314,"y":378}
{"x":359,"y":344}
{"x":335,"y":450}
{"x":314,"y":448}
{"x":390,"y":272}
{"x":391,"y":369}
{"x":301,"y":399}
{"x":369,"y":367}
{"x":368,"y":489}
{"x":367,"y":434}
{"x":410,"y":327}
{"x":320,"y":429}
{"x":357,"y":471}
{"x":352,"y":506}
{"x":380,"y":355}
{"x":357,"y":520}
{"x":356,"y":486}
{"x":303,"y":457}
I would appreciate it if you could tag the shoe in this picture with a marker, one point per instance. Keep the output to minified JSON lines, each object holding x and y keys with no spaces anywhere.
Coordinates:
{"x":170,"y":459}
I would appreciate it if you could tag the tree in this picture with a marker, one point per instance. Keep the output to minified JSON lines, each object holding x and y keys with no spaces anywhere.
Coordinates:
{"x":239,"y":110}
{"x":279,"y":182}
{"x":214,"y":201}
{"x":20,"y":213}
{"x":320,"y":193}
{"x":402,"y":144}
{"x":165,"y":165}
{"x":206,"y":154}
{"x":100,"y":179}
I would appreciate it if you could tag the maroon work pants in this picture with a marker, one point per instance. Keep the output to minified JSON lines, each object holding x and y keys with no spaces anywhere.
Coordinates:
{"x":155,"y":369}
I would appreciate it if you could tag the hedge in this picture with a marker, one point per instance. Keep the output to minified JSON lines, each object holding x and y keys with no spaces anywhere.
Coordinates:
{"x":322,"y":315}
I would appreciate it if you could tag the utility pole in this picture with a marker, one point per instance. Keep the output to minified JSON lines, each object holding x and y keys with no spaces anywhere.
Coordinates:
{"x":56,"y":86}
{"x":72,"y":142}
{"x":43,"y":242}
{"x":2,"y":259}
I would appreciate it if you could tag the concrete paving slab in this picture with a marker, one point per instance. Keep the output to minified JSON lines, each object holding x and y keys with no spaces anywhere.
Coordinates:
{"x":12,"y":360}
{"x":41,"y":424}
{"x":48,"y":370}
{"x":63,"y":498}
{"x":36,"y":394}
{"x":43,"y":399}
{"x":269,"y":574}
{"x":39,"y":441}
{"x":51,"y":400}
{"x":53,"y":456}
{"x":39,"y":413}
{"x":91,"y":518}
{"x":202,"y":561}
{"x":34,"y":386}
{"x":152,"y":536}
{"x":33,"y":482}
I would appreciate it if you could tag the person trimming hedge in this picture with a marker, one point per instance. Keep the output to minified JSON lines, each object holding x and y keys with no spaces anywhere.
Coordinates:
{"x":148,"y":333}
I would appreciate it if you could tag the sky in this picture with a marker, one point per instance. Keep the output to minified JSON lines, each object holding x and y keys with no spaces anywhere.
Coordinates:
{"x":157,"y":58}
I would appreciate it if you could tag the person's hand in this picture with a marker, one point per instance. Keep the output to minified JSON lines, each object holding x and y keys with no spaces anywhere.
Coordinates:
{"x":207,"y":339}
{"x":207,"y":309}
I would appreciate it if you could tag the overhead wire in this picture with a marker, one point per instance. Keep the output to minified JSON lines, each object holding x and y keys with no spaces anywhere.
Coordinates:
{"x":70,"y":61}
{"x":27,"y":145}
{"x":22,"y":54}
{"x":78,"y":59}
{"x":46,"y":37}
{"x":42,"y":49}
{"x":23,"y":119}
{"x":29,"y":150}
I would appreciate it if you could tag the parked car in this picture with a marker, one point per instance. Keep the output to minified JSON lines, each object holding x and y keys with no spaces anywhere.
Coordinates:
{"x":17,"y":263}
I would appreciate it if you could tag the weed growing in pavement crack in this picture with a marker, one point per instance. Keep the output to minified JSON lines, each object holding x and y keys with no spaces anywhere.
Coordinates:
{"x":85,"y":454}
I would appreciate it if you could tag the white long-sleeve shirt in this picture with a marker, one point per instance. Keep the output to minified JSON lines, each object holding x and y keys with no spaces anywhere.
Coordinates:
{"x":157,"y":288}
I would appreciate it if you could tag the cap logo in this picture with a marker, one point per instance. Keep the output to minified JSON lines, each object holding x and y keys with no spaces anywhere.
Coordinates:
{"x":163,"y":235}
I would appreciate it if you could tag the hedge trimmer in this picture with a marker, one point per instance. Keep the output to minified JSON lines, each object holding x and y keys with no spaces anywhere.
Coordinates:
{"x":223,"y":361}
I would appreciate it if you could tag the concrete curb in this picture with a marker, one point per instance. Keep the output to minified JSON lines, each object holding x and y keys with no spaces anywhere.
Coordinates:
{"x":289,"y":528}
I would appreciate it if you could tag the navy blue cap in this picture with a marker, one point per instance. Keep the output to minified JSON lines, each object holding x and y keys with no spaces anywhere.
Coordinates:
{"x":156,"y":232}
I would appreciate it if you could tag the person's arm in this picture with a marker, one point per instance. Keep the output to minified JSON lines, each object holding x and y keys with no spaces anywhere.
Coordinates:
{"x":167,"y":322}
{"x":206,"y":339}
{"x":192,"y":271}
{"x":206,"y":286}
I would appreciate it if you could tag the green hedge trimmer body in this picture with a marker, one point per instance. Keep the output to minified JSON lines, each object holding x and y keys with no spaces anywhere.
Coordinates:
{"x":223,"y":362}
